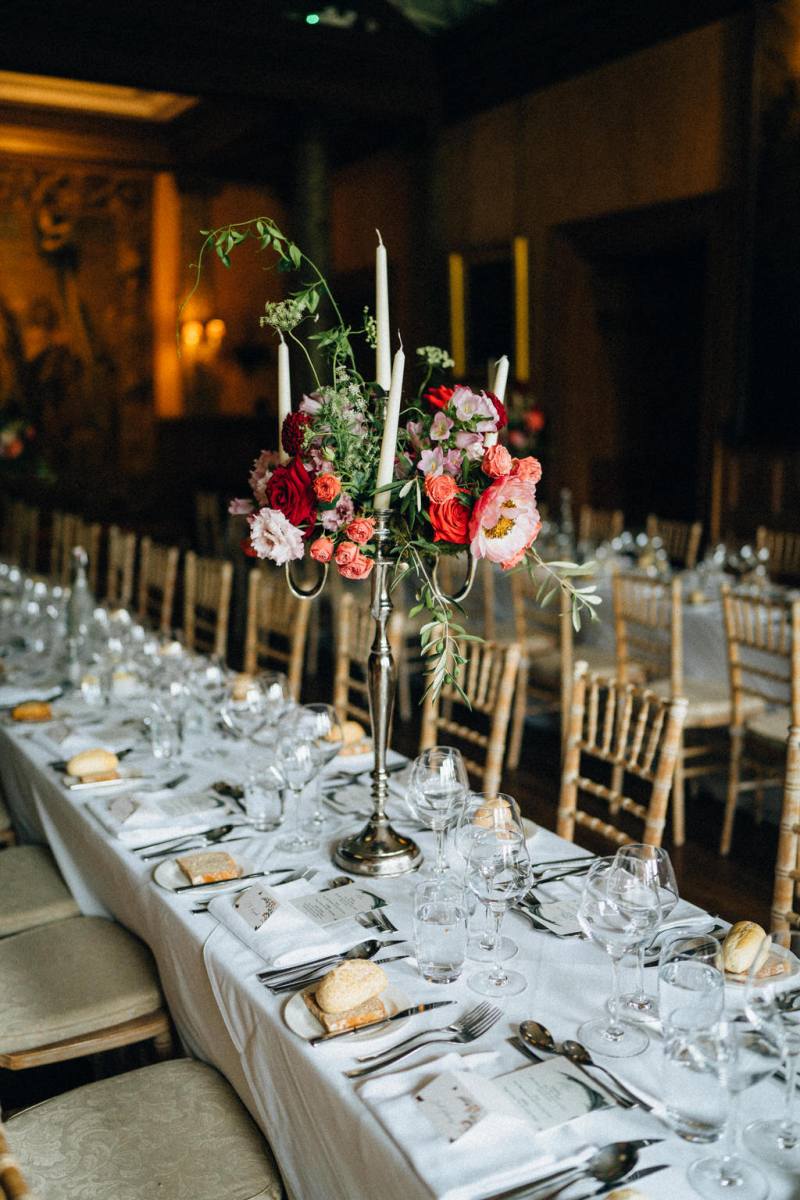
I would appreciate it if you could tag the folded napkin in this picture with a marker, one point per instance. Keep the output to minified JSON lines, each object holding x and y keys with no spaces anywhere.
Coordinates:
{"x":138,"y":818}
{"x":65,"y":739}
{"x":498,"y":1153}
{"x":355,"y":764}
{"x":12,"y":694}
{"x":288,"y":937}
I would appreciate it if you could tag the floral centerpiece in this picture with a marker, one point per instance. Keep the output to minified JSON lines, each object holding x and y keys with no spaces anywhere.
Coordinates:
{"x":352,"y":448}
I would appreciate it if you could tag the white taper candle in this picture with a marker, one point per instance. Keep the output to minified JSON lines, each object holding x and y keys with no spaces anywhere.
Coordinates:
{"x":389,"y":443}
{"x":498,"y":388}
{"x":383,"y":347}
{"x":284,"y":395}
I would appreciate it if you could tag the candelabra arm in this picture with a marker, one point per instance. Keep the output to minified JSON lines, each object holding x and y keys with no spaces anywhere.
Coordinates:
{"x":466,"y":586}
{"x":304,"y":593}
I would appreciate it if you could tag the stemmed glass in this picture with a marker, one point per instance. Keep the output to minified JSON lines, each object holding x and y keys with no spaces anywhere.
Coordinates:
{"x":656,"y":865}
{"x":619,"y":907}
{"x":774,"y":1010}
{"x":736,"y":1053}
{"x":245,"y":715}
{"x":499,"y":873}
{"x":297,"y":759}
{"x":327,"y":737}
{"x":479,"y":812}
{"x":437,"y":786}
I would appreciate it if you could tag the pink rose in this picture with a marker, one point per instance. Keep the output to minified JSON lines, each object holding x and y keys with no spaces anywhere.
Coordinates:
{"x":361,"y":529}
{"x":527,"y":468}
{"x":505,"y":521}
{"x":240,"y":508}
{"x":496,"y":462}
{"x":346,"y":552}
{"x":439,"y":488}
{"x":321,"y":549}
{"x":357,"y":568}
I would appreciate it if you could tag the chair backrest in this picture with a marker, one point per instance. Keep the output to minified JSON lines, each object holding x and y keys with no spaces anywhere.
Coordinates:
{"x":355,"y":631}
{"x":648,"y":626}
{"x":784,"y":550}
{"x":158,"y":573}
{"x":12,"y":1182}
{"x":74,"y":531}
{"x":681,"y":539}
{"x":554,"y":620}
{"x":208,"y":524}
{"x":59,"y":526}
{"x":488,"y":679}
{"x":277,"y":625}
{"x":206,"y":603}
{"x":599,"y":524}
{"x":22,"y":539}
{"x":763,"y":636}
{"x":787,"y":864}
{"x":627,"y":727}
{"x":120,"y":560}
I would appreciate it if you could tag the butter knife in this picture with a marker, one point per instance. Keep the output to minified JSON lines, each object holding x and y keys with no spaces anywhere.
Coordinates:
{"x":406,"y":1012}
{"x":219,"y":884}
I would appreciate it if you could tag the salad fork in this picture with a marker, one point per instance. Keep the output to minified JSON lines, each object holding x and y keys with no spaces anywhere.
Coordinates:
{"x":474,"y":1014}
{"x":471,"y":1028}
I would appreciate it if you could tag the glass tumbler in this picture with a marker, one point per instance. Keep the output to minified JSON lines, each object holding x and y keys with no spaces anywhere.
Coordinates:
{"x":440,"y":929}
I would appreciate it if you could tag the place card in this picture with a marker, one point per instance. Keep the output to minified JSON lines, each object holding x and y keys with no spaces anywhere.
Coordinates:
{"x":335,"y":904}
{"x":255,"y":907}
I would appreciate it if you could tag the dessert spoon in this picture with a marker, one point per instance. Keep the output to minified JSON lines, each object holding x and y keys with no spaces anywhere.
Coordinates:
{"x":538,"y":1035}
{"x":607,"y":1165}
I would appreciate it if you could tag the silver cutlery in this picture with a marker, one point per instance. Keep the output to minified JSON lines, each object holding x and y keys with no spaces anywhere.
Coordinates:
{"x":221,"y":885}
{"x":176,"y":782}
{"x":178,"y":843}
{"x":374,"y":919}
{"x":471,"y":1028}
{"x":529,"y":911}
{"x":539,"y":1036}
{"x":405,"y":1012}
{"x":608,"y":1165}
{"x":530,"y":1051}
{"x":292,"y":877}
{"x":474,"y":1014}
{"x":297,"y":985}
{"x":634,"y":1177}
{"x":362,"y":950}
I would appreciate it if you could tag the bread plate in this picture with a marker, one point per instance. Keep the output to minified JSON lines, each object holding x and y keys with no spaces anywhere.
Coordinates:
{"x":302,"y":1022}
{"x":126,"y":777}
{"x":168,"y":875}
{"x":777,"y":968}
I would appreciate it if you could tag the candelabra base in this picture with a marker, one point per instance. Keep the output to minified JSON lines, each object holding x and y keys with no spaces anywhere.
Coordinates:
{"x":377,"y":850}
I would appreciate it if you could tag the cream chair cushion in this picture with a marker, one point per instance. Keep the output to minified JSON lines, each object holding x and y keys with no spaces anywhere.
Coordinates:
{"x":174,"y":1130}
{"x":773,"y":725}
{"x":32,"y":891}
{"x":70,"y":978}
{"x":709,"y":701}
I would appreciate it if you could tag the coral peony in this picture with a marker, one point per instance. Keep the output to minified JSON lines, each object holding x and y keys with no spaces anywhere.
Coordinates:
{"x":450,"y":520}
{"x":345,"y":553}
{"x":505,"y":521}
{"x":496,"y":462}
{"x":293,"y":434}
{"x":440,"y":488}
{"x":357,"y":568}
{"x":274,"y":537}
{"x":291,"y":491}
{"x":326,"y":488}
{"x":321,"y":549}
{"x":361,"y":530}
{"x":528,"y":468}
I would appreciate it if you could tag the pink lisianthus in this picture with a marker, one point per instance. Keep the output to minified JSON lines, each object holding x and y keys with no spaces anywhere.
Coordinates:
{"x":240,"y":507}
{"x":414,"y":431}
{"x":431,"y":462}
{"x":321,"y":549}
{"x":471,"y":444}
{"x":274,"y":537}
{"x":333,"y":519}
{"x":451,"y":463}
{"x":440,"y":427}
{"x":505,"y":521}
{"x":311,"y":404}
{"x":361,"y":530}
{"x":357,"y":568}
{"x":468,"y":405}
{"x":261,"y":474}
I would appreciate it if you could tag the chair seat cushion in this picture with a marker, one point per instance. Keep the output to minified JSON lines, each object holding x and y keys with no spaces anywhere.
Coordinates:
{"x":71,"y":978}
{"x":772,"y":724}
{"x":174,"y":1130}
{"x":32,"y":891}
{"x":709,"y":701}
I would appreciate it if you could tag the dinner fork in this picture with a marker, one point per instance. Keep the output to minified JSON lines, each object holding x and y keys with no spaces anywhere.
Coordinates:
{"x":474,"y":1014}
{"x":375,"y":919}
{"x":306,"y":873}
{"x":471,"y":1028}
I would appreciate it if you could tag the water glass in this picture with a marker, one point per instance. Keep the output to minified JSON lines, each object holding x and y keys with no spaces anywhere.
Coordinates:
{"x":263,"y":802}
{"x":165,"y":735}
{"x":440,"y":930}
{"x":693,"y":1096}
{"x":690,"y":977}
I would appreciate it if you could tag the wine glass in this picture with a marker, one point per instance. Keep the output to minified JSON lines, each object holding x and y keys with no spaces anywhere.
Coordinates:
{"x":619,"y":907}
{"x":738,"y":1057}
{"x":771,"y":1006}
{"x":327,"y":738}
{"x":245,"y":712}
{"x":297,"y":762}
{"x":438,"y":784}
{"x":481,"y":811}
{"x":656,"y":864}
{"x":499,"y":873}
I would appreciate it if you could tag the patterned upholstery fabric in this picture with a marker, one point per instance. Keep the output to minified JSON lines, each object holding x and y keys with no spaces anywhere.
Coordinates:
{"x":70,"y":978}
{"x":32,"y":891}
{"x":174,"y":1130}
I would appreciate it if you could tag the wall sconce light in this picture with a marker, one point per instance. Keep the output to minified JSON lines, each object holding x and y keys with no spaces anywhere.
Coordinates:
{"x":204,"y":339}
{"x":191,"y":334}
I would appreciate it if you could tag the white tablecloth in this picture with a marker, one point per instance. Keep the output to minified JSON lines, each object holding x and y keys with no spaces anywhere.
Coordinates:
{"x":328,"y":1143}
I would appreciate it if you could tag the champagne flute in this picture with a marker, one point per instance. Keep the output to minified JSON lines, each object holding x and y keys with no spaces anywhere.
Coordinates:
{"x":656,"y":864}
{"x":619,"y":907}
{"x":499,"y":873}
{"x":438,"y":784}
{"x":480,"y":811}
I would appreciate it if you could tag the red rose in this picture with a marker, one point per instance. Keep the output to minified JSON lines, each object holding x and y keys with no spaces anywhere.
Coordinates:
{"x":294,"y":432}
{"x":439,"y":397}
{"x":450,"y":520}
{"x":291,"y":491}
{"x":500,"y":409}
{"x":247,"y":548}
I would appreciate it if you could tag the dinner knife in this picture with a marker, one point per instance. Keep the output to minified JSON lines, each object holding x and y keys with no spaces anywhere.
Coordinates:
{"x":623,"y":1183}
{"x":406,"y":1012}
{"x":216,"y":883}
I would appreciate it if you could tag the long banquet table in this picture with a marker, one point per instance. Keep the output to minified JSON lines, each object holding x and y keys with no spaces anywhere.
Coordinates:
{"x":327,"y":1141}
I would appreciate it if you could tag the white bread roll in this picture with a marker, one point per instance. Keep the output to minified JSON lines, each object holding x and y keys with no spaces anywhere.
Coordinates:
{"x":240,"y":687}
{"x":745,"y":944}
{"x":92,"y":762}
{"x":495,"y":814}
{"x":350,"y":984}
{"x":352,"y":732}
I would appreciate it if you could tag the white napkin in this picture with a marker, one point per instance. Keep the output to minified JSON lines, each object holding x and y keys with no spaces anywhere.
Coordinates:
{"x":355,"y":764}
{"x":138,"y":818}
{"x":288,"y":937}
{"x":12,"y":694}
{"x":499,"y":1153}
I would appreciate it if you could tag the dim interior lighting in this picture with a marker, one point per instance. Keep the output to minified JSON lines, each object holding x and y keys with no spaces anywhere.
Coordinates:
{"x":215,"y":329}
{"x":192,"y":333}
{"x":312,"y":18}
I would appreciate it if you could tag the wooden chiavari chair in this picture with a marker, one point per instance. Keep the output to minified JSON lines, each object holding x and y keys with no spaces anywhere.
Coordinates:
{"x":171,"y":1129}
{"x":208,"y":525}
{"x":681,"y":539}
{"x":784,"y":551}
{"x":599,"y":524}
{"x":355,"y":631}
{"x":158,"y":573}
{"x":635,"y":733}
{"x":206,"y":603}
{"x":120,"y":561}
{"x":22,"y":539}
{"x":70,"y":531}
{"x":481,"y":727}
{"x":764,"y":663}
{"x":648,"y":620}
{"x":787,"y":865}
{"x":277,"y":625}
{"x":58,"y":529}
